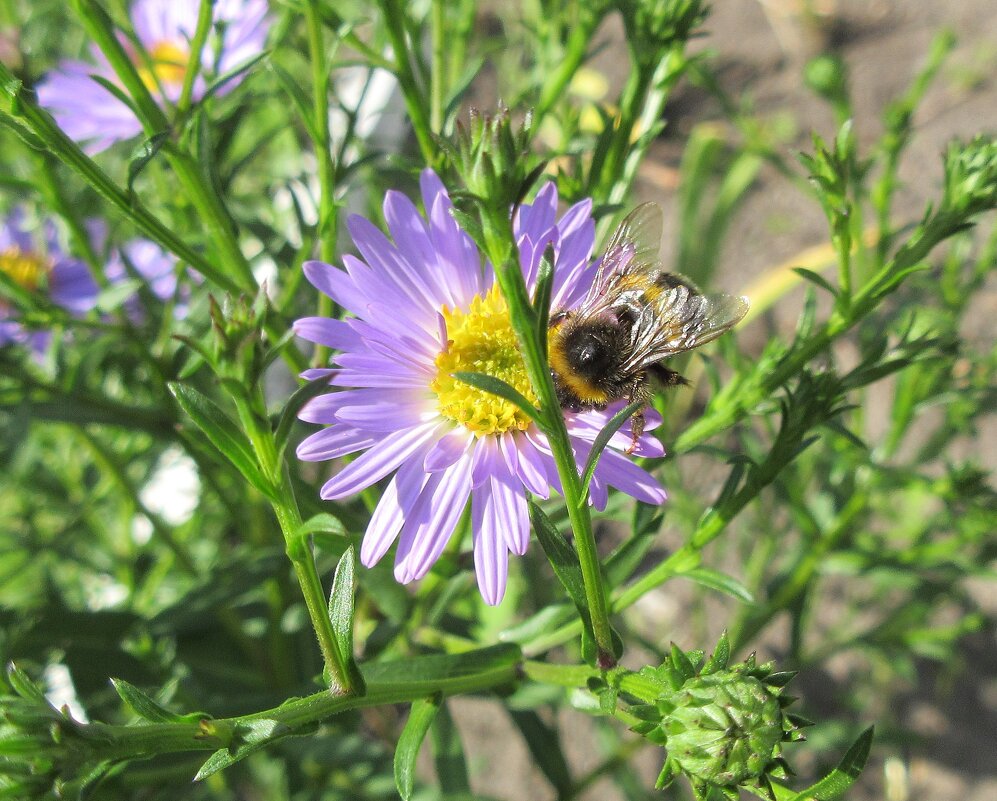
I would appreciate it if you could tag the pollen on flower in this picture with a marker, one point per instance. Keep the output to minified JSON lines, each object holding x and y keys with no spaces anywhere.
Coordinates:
{"x":24,"y":269}
{"x":168,"y":62}
{"x":481,"y":340}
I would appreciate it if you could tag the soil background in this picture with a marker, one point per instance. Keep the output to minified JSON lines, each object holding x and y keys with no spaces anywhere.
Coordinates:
{"x":942,"y":745}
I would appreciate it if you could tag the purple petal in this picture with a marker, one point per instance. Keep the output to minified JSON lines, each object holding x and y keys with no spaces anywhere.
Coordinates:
{"x":445,"y":452}
{"x":529,"y":466}
{"x":380,"y":411}
{"x":618,"y":471}
{"x":331,"y":443}
{"x":533,"y":219}
{"x":388,"y":263}
{"x":337,"y":285}
{"x":491,"y":557}
{"x":432,"y":521}
{"x":334,"y":334}
{"x":72,"y":286}
{"x":391,"y":512}
{"x":381,"y":459}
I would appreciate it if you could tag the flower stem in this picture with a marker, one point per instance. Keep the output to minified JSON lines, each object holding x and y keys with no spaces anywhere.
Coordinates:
{"x":415,"y":99}
{"x":500,"y":247}
{"x":438,"y":74}
{"x":327,"y":211}
{"x":204,"y":17}
{"x":285,"y":507}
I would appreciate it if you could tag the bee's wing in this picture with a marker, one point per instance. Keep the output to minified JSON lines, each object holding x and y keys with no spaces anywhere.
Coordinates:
{"x":681,"y":319}
{"x":632,"y":255}
{"x":640,"y":232}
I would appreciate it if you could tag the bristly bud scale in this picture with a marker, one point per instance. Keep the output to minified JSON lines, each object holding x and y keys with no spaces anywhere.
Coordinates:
{"x":722,"y":726}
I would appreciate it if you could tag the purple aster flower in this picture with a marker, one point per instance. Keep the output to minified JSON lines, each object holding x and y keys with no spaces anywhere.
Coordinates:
{"x":89,"y":113}
{"x":423,"y":306}
{"x":43,"y":268}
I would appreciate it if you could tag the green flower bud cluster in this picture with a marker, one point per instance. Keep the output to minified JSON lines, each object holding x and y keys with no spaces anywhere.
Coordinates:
{"x":722,"y":726}
{"x":655,"y":25}
{"x":971,"y":176}
{"x":493,"y":157}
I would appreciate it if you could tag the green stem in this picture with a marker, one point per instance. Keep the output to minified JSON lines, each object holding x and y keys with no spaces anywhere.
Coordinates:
{"x":416,"y":102}
{"x":254,"y":422}
{"x":204,"y":19}
{"x":387,"y":683}
{"x":328,"y":210}
{"x":555,"y":84}
{"x":438,"y":73}
{"x":499,"y":245}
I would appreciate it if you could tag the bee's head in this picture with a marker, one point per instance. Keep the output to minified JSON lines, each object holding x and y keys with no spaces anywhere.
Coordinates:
{"x":592,"y":348}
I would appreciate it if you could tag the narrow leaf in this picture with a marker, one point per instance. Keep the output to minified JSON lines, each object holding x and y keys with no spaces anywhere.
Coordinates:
{"x":601,"y":441}
{"x":295,"y":404}
{"x":541,"y":296}
{"x":341,"y":599}
{"x":720,"y":657}
{"x":496,"y":386}
{"x":419,"y":719}
{"x":448,"y":751}
{"x":545,"y":746}
{"x":715,"y":580}
{"x":816,"y":278}
{"x":222,"y":433}
{"x":562,"y":557}
{"x":844,"y":775}
{"x":249,"y":737}
{"x":142,"y":705}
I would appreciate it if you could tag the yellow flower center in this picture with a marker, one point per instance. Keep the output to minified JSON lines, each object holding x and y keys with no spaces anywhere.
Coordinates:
{"x":481,"y":340}
{"x":24,"y":269}
{"x":168,"y":65}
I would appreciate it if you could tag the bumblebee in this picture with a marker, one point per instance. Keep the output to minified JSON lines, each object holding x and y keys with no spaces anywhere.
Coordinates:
{"x":613,"y":345}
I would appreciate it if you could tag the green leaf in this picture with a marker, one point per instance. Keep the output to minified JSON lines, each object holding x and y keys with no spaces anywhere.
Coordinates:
{"x":341,"y":600}
{"x":249,"y":737}
{"x":562,"y":558}
{"x":420,"y":717}
{"x":451,"y":767}
{"x":816,"y":278}
{"x":24,"y":686}
{"x":299,"y":99}
{"x":444,"y":672}
{"x":335,"y":539}
{"x":230,"y":75}
{"x":541,"y":296}
{"x":142,"y":705}
{"x":496,"y":386}
{"x":545,"y":746}
{"x":601,"y":441}
{"x":681,"y":663}
{"x":145,"y":153}
{"x":715,"y":580}
{"x":844,"y":775}
{"x":289,"y":414}
{"x":222,"y":433}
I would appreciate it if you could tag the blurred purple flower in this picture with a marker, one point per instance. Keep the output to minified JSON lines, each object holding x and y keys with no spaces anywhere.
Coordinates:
{"x":65,"y":280}
{"x":89,"y":113}
{"x":424,"y":307}
{"x":157,"y":268}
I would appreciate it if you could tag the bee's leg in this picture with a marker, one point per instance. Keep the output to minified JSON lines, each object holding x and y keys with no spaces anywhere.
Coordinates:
{"x":665,"y":375}
{"x":641,"y":391}
{"x":636,"y":429}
